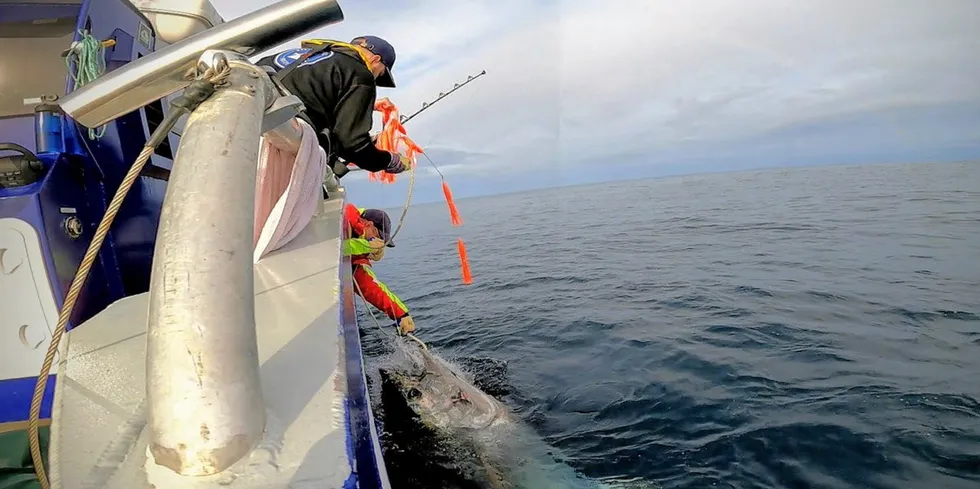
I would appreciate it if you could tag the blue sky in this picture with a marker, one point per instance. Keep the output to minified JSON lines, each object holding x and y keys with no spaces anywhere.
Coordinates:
{"x":580,"y":91}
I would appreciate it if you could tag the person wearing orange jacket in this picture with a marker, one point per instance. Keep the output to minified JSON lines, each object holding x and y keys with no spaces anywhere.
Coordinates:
{"x":368,"y":236}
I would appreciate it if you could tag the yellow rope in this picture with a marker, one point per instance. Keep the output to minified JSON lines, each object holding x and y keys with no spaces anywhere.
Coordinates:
{"x":408,"y":201}
{"x":76,"y":287}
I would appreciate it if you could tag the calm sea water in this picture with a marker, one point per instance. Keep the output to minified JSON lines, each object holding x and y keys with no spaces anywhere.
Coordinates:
{"x":799,"y":328}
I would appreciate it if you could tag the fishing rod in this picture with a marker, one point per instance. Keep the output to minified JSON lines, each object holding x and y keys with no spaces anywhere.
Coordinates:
{"x":425,"y":105}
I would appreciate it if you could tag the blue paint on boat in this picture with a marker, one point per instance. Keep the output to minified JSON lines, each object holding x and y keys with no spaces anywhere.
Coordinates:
{"x":367,"y":456}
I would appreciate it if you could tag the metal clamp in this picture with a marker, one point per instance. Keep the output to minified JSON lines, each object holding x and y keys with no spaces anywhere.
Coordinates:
{"x":281,"y":111}
{"x":217,"y":59}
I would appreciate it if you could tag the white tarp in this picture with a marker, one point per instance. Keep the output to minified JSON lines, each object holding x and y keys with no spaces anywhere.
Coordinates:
{"x":287,"y":190}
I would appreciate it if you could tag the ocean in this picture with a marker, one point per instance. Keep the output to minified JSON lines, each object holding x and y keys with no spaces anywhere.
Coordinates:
{"x":792,"y":328}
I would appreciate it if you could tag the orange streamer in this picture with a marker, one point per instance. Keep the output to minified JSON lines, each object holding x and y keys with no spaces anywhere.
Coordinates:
{"x":467,"y":278}
{"x":393,"y":138}
{"x":453,"y":212}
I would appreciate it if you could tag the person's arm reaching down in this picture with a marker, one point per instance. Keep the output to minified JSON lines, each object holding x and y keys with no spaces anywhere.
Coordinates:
{"x":377,"y":294}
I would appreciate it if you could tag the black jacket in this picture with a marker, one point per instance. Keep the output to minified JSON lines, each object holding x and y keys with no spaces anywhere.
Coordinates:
{"x":339,"y":93}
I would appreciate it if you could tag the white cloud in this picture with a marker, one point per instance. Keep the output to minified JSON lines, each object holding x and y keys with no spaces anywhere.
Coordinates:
{"x":592,"y":78}
{"x":574,"y":81}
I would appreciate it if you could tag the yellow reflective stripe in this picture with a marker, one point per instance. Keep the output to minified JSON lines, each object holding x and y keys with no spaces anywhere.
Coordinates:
{"x":356,"y":246}
{"x":384,"y":288}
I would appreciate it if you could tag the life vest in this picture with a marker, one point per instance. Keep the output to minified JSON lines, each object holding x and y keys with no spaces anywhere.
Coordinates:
{"x":315,"y":43}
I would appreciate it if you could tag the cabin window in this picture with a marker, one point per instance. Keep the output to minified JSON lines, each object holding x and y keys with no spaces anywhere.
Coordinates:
{"x":32,"y":37}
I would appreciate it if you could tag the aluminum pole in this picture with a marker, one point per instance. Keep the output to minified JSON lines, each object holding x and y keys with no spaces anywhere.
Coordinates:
{"x":204,"y":395}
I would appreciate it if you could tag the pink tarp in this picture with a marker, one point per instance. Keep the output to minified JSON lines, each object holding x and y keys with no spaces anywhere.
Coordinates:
{"x":287,"y":190}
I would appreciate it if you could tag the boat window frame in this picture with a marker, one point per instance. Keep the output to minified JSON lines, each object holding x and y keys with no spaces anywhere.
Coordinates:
{"x":31,"y":46}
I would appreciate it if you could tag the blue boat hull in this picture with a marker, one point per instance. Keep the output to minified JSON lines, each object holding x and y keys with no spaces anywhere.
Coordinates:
{"x":79,"y":178}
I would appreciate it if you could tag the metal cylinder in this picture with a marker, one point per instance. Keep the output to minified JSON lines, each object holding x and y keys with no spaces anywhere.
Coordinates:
{"x":48,"y":125}
{"x":204,"y":396}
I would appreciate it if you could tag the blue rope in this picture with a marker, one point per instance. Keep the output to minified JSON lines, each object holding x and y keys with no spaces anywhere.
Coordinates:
{"x":87,"y":57}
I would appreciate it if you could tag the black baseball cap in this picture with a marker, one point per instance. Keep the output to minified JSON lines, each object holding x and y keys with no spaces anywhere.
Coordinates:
{"x":383,"y":49}
{"x":381,"y":221}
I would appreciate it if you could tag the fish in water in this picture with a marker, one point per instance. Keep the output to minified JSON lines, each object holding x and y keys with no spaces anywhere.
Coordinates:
{"x":491,"y":445}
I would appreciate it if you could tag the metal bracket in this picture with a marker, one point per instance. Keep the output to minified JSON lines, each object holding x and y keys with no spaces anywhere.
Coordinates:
{"x":276,"y":83}
{"x":282,"y":109}
{"x":214,"y":58}
{"x":283,"y":91}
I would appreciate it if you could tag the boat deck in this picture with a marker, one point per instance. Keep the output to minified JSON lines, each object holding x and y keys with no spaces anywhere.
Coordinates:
{"x":98,"y":438}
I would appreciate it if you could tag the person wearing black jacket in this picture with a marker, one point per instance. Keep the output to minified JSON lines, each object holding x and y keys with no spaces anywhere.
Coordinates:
{"x":338,"y":86}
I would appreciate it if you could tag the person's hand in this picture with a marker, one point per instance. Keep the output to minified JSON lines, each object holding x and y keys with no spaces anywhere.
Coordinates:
{"x":376,"y":244}
{"x":370,"y":232}
{"x":406,"y":325}
{"x":399,"y":163}
{"x":377,"y":254}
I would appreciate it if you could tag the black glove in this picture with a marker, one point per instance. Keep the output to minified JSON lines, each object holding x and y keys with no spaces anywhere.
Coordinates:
{"x":398,"y":163}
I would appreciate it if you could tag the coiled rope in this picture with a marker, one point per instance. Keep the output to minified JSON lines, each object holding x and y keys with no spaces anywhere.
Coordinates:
{"x":202,"y":88}
{"x":88,"y":58}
